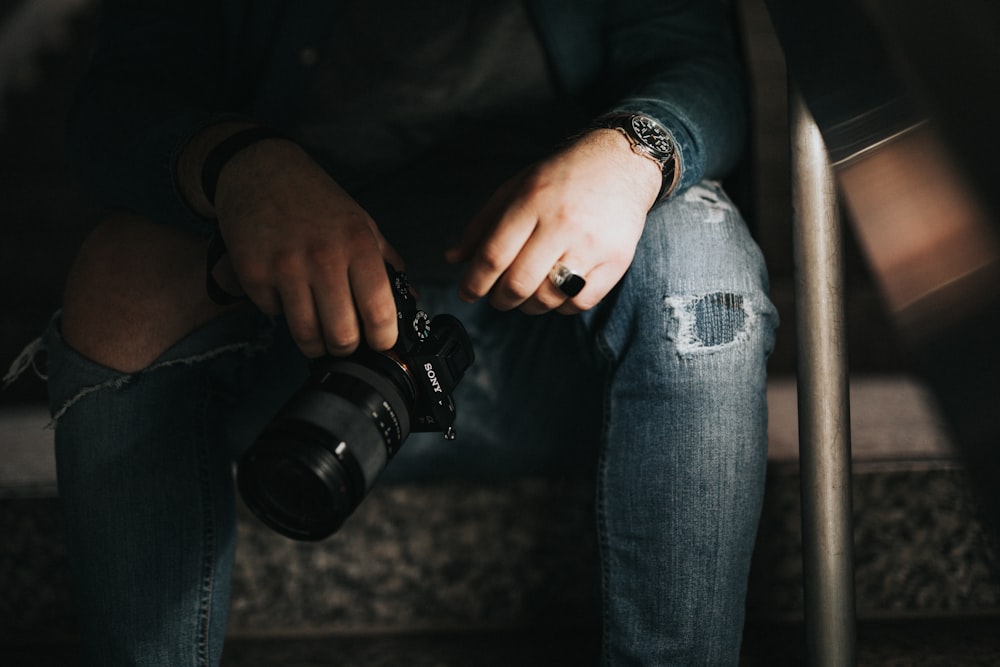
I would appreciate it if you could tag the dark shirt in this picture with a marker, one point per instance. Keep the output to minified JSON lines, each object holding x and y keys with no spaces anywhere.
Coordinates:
{"x":161,"y":72}
{"x":421,"y":109}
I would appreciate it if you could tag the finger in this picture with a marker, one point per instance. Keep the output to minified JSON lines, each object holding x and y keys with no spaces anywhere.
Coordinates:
{"x":600,"y":281}
{"x":484,"y":220}
{"x":552,"y":297}
{"x":225,"y":277}
{"x":338,"y":318}
{"x":568,"y":309}
{"x":496,"y":252}
{"x":539,"y":306}
{"x":375,"y":303}
{"x":527,"y":276}
{"x":300,"y":313}
{"x":258,"y":285}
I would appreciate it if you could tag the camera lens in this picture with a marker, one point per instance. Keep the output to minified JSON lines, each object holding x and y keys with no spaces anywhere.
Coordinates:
{"x":298,"y":487}
{"x":318,"y":458}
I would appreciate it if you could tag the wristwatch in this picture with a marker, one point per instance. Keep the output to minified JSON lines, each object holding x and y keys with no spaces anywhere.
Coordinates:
{"x":651,"y":140}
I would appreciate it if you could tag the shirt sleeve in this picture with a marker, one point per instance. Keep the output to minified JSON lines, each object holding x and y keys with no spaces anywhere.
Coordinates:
{"x":677,"y":61}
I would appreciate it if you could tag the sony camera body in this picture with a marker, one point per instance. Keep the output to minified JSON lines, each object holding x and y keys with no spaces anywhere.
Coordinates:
{"x":318,"y":458}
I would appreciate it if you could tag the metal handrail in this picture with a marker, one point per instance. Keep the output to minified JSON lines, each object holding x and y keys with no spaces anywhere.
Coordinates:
{"x":823,"y":399}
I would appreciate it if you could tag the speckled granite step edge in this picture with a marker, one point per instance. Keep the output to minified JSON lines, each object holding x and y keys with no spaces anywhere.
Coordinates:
{"x":523,"y":554}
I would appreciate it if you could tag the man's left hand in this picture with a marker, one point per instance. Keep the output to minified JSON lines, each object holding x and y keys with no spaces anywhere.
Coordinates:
{"x":585,"y":207}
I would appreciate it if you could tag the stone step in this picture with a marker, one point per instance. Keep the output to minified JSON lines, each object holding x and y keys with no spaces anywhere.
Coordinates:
{"x":929,"y":642}
{"x":418,"y":559}
{"x":432,"y":558}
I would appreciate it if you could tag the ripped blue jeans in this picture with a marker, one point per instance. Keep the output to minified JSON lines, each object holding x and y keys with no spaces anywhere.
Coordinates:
{"x":660,"y":390}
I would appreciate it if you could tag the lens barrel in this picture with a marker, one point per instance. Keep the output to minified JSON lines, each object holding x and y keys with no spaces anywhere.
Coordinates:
{"x":319,"y":457}
{"x":298,"y":487}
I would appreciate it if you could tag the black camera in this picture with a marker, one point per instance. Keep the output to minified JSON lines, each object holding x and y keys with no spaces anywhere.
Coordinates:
{"x":319,"y":457}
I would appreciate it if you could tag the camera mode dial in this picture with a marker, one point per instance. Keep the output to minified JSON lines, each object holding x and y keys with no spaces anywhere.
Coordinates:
{"x":421,"y":325}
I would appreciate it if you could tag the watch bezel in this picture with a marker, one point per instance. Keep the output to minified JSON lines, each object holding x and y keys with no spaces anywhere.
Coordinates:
{"x":661,"y":146}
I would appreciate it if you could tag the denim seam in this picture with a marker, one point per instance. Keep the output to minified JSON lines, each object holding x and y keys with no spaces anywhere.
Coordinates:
{"x":599,"y":514}
{"x":208,"y":553}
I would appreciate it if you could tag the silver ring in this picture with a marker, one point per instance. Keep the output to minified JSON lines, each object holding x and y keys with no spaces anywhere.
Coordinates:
{"x":568,"y":282}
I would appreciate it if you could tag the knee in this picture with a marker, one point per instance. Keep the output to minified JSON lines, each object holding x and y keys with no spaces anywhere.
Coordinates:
{"x":134,"y":289}
{"x":699,"y":278}
{"x":740,"y":323}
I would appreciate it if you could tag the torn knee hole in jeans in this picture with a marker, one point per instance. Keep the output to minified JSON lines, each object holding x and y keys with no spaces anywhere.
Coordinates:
{"x":27,"y":359}
{"x":705,"y":323}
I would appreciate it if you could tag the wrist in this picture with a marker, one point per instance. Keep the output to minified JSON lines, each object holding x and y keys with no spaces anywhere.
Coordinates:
{"x":648,"y":139}
{"x":209,"y":153}
{"x":643,"y":174}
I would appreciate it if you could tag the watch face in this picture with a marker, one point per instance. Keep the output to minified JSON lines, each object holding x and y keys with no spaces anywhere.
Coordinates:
{"x":651,"y":134}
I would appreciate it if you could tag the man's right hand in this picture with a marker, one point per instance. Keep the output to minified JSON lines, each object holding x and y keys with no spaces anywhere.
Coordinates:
{"x":300,"y":246}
